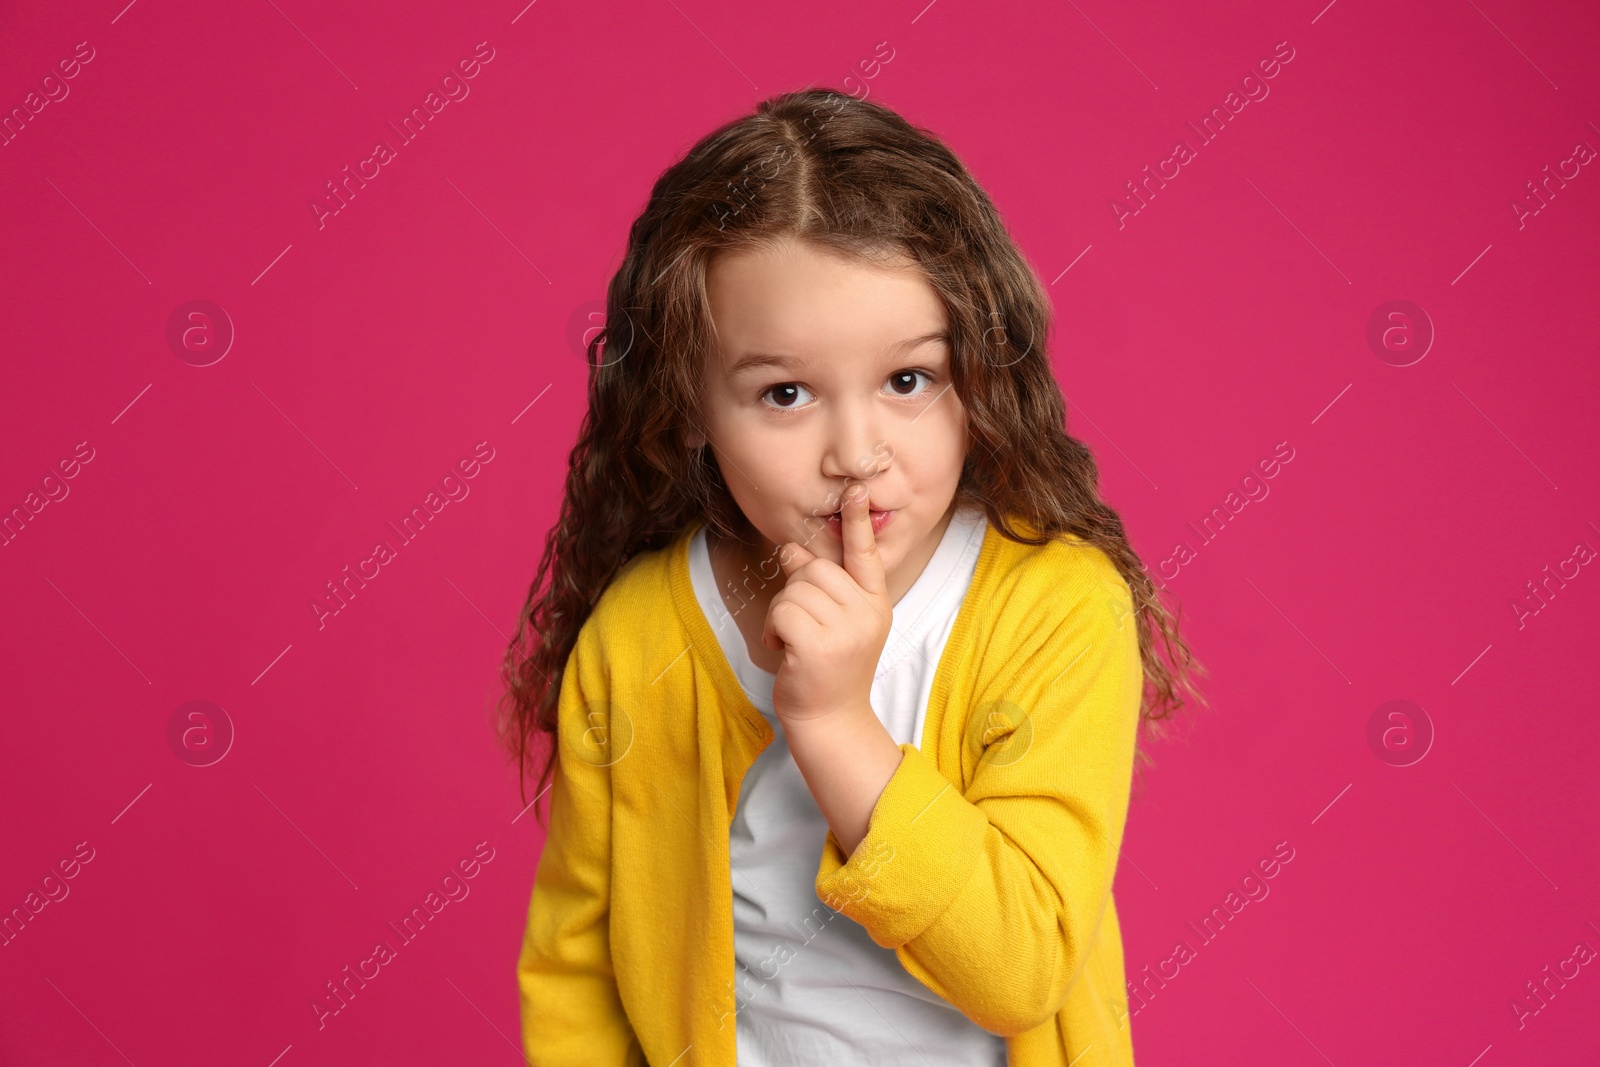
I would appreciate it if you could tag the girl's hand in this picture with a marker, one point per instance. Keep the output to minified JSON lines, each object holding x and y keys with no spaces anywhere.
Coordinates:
{"x":830,"y":622}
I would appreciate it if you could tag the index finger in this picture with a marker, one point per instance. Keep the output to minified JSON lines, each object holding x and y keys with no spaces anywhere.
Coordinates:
{"x":861,"y":559}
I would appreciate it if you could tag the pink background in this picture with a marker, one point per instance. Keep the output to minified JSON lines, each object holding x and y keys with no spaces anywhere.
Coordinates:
{"x":437,"y":310}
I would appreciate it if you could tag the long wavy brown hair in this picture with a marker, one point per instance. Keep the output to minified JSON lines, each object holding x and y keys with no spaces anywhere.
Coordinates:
{"x":854,"y":178}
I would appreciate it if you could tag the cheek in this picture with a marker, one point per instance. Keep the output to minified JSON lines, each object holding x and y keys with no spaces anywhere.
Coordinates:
{"x":772,"y":460}
{"x":936,"y":443}
{"x":745,"y":439}
{"x":760,"y":467}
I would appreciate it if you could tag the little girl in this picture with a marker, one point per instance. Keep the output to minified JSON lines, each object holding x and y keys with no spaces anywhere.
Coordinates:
{"x":840,"y":659}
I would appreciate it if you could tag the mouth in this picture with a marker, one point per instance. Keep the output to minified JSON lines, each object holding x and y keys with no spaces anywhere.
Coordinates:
{"x":880,"y":519}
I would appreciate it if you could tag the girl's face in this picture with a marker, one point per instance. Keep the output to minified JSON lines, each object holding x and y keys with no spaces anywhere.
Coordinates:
{"x":830,"y":371}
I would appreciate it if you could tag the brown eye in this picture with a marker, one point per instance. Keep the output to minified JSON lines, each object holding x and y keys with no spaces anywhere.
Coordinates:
{"x":783,"y":390}
{"x":898,"y":381}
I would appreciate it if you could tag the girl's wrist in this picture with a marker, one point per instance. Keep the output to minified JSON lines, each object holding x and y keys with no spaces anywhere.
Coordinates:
{"x":846,"y":759}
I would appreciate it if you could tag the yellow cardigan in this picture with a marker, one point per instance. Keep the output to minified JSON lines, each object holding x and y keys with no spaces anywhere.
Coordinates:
{"x":987,"y":866}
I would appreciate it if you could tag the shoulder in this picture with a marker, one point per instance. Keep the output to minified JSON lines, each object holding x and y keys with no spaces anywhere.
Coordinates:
{"x":1055,"y":609}
{"x":1037,"y":595}
{"x":1067,"y":574}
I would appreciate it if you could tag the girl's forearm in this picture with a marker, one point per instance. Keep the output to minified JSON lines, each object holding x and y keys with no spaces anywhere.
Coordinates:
{"x":846,"y":759}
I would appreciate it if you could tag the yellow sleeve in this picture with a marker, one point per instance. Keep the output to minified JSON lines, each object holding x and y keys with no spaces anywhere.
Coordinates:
{"x":572,"y":1013}
{"x":993,"y":899}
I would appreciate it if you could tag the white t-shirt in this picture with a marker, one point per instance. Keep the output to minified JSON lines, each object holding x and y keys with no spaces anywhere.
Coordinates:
{"x":811,"y":986}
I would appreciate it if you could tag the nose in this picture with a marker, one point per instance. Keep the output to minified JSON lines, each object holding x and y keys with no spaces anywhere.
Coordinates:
{"x":855,"y":448}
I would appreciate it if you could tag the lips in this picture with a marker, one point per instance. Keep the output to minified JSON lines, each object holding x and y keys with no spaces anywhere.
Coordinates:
{"x":840,"y":510}
{"x":879,"y":519}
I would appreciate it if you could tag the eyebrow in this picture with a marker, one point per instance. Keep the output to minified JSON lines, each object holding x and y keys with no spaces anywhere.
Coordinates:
{"x":762,"y":360}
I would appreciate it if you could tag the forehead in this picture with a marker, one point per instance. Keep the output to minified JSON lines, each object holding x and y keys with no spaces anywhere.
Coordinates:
{"x":794,"y":299}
